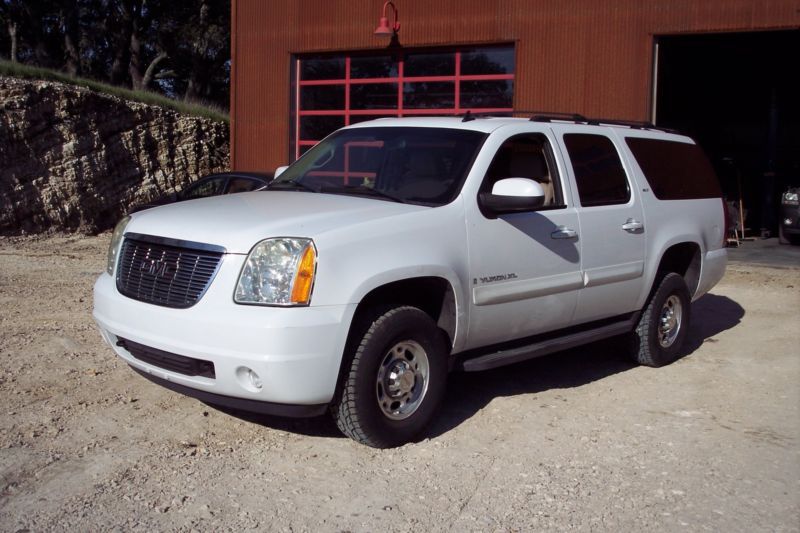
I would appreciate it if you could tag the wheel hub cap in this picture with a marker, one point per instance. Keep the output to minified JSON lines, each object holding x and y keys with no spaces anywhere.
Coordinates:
{"x":402,"y":380}
{"x":669,"y":324}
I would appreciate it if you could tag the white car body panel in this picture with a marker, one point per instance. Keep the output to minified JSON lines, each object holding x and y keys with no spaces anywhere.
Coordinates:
{"x":238,"y":221}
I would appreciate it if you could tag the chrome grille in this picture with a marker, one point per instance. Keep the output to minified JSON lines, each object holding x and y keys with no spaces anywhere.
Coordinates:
{"x":166,"y":272}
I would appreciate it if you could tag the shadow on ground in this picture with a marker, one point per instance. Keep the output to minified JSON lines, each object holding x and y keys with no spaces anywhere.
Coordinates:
{"x":469,"y":392}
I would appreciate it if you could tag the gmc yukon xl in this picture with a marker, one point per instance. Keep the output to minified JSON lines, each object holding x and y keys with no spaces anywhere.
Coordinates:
{"x":398,"y":250}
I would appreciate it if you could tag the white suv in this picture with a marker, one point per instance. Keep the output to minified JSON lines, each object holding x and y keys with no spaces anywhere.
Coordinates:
{"x":397,"y":250}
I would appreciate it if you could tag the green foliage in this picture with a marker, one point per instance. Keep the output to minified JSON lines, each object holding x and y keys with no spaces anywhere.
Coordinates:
{"x":18,"y":70}
{"x":179,"y":48}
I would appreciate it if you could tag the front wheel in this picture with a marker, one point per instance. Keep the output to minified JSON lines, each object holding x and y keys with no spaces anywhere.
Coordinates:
{"x":664,"y":323}
{"x":396,"y":379}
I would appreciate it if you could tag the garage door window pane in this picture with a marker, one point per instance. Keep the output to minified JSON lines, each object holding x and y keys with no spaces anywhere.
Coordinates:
{"x":373,"y":96}
{"x":373,"y":67}
{"x":487,"y":61}
{"x":598,"y":170}
{"x":322,"y":97}
{"x":428,"y":64}
{"x":315,"y":127}
{"x":494,"y":93}
{"x":330,"y":68}
{"x":429,"y":95}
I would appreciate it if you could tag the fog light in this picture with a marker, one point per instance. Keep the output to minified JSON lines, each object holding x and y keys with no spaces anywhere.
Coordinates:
{"x":248,"y":379}
{"x":787,"y":221}
{"x":255,"y":381}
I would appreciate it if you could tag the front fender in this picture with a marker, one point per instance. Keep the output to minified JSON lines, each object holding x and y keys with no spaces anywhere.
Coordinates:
{"x":354,"y":261}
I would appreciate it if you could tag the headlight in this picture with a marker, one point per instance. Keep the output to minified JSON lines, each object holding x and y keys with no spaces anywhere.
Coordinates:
{"x":116,"y":241}
{"x":278,"y":272}
{"x":790,"y":198}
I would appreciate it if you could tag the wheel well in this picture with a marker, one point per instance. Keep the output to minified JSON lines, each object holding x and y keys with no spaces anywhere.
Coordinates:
{"x":683,"y":259}
{"x":432,"y":295}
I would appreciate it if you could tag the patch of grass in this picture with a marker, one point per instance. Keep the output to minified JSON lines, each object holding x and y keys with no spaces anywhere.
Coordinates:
{"x":18,"y":70}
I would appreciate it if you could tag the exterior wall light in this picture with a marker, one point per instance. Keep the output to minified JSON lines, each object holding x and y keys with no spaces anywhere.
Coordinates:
{"x":383,"y":29}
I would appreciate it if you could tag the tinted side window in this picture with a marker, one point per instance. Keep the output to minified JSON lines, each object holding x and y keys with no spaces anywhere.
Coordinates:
{"x":598,"y":170}
{"x":525,"y":156}
{"x":242,"y":185}
{"x":205,"y":188}
{"x":675,"y":170}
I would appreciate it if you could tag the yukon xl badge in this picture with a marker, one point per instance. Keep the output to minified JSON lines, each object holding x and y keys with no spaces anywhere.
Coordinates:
{"x":492,"y":279}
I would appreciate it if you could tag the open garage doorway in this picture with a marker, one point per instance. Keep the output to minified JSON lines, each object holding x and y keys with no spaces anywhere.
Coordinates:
{"x":738,"y":95}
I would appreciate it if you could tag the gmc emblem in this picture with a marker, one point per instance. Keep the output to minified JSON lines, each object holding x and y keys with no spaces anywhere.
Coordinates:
{"x":156,"y":268}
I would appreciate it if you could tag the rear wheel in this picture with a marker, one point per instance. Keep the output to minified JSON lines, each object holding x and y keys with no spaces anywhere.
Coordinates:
{"x":396,"y":379}
{"x":662,"y":328}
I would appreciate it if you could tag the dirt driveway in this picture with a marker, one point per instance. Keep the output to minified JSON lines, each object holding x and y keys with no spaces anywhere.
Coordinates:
{"x":577,"y":440}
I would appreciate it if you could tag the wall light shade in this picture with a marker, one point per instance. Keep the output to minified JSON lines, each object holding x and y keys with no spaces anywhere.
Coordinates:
{"x":384,"y":29}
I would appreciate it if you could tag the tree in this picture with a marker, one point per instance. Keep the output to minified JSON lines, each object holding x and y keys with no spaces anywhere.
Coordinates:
{"x":180,"y":48}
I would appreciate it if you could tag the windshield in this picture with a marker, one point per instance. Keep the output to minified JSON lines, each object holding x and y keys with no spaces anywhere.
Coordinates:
{"x":407,"y":164}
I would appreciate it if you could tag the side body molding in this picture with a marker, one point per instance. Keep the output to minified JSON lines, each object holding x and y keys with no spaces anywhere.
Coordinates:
{"x":612,"y":274}
{"x":530,"y":288}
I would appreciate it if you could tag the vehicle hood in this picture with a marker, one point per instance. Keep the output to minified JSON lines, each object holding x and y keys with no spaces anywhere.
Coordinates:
{"x":239,"y":221}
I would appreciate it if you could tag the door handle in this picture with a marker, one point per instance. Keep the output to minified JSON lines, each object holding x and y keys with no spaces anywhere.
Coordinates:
{"x":563,"y":232}
{"x":632,"y":225}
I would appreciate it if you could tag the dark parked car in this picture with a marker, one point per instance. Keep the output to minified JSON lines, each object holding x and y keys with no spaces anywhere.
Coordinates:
{"x":789,"y":223}
{"x":212,"y":185}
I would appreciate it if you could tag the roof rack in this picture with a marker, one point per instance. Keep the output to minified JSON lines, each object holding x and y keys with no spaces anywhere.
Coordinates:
{"x":633,"y":124}
{"x":580,"y":119}
{"x":469,"y":115}
{"x":538,"y":116}
{"x":547,"y":116}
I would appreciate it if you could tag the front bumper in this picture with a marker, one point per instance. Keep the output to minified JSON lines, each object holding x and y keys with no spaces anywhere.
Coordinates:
{"x":295,"y":352}
{"x":253,"y":406}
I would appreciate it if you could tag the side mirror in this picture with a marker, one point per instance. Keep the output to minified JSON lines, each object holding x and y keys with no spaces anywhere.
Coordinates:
{"x":279,"y":171}
{"x":512,"y":195}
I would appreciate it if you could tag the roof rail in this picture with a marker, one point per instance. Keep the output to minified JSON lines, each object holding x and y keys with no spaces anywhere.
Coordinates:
{"x":633,"y":124}
{"x":538,"y":116}
{"x":547,"y":116}
{"x":469,"y":115}
{"x":574,"y":117}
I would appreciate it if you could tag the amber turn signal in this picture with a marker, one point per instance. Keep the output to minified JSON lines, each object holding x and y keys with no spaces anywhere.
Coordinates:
{"x":304,"y":279}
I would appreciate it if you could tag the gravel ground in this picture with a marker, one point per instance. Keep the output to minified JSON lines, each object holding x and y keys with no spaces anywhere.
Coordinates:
{"x":577,"y":440}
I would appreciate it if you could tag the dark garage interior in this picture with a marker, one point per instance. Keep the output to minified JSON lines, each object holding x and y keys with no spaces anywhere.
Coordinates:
{"x":737,"y":94}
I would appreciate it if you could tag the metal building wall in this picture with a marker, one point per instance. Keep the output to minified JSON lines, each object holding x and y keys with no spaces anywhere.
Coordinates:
{"x":593,"y":57}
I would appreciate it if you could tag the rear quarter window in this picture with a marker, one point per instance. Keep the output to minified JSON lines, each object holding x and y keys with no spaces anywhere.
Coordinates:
{"x":675,"y":170}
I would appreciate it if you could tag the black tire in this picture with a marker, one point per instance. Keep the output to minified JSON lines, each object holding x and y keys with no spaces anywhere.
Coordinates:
{"x":368,"y":410}
{"x":652,"y":344}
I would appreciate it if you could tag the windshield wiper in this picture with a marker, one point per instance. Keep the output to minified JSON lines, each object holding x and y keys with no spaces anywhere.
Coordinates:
{"x":292,"y":185}
{"x":362,"y":189}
